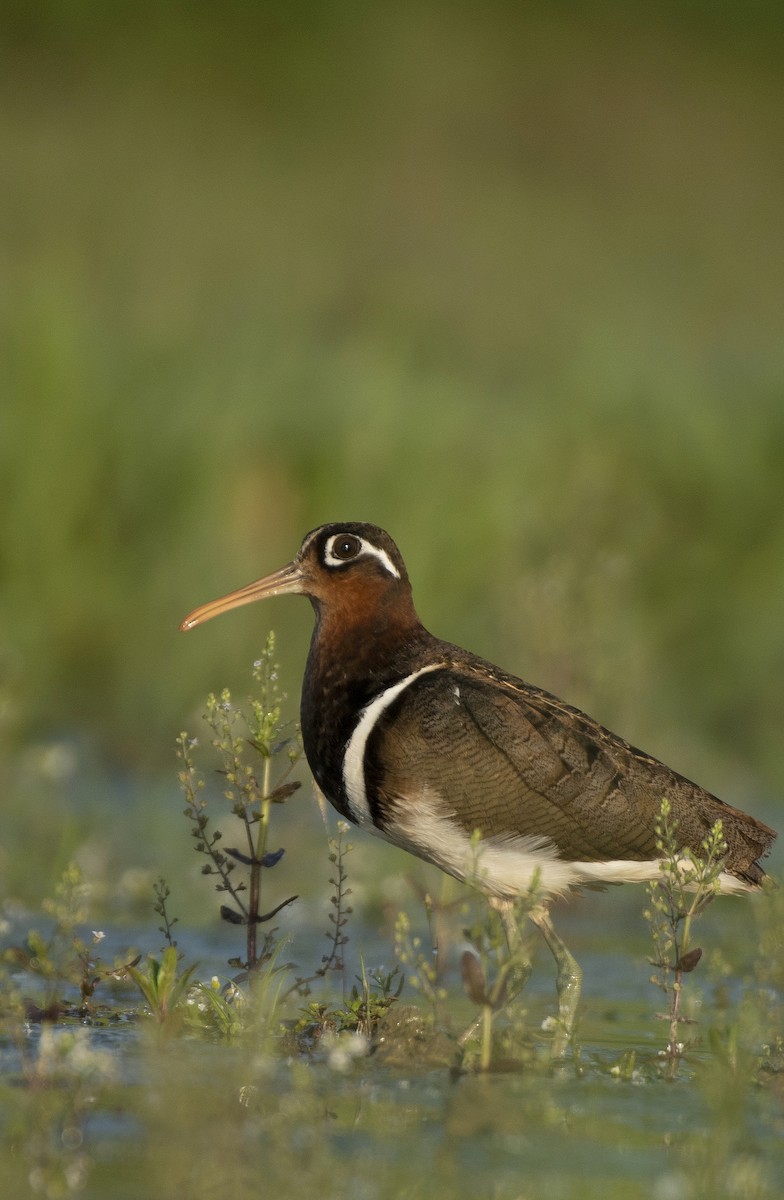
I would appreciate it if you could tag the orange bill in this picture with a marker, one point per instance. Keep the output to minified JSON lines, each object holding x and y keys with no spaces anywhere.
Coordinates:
{"x":287,"y":581}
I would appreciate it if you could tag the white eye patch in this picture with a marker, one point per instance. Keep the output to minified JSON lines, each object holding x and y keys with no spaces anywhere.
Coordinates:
{"x":335,"y":554}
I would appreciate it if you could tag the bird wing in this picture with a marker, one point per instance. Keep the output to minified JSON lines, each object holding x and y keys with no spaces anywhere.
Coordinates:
{"x":511,"y":760}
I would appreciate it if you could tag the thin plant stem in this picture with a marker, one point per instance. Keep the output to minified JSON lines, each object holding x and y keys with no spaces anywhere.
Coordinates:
{"x":257,"y":855}
{"x":486,"y":1054}
{"x":686,"y":885}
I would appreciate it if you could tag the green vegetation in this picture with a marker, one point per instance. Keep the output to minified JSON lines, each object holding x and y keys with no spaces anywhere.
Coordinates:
{"x":688,"y":884}
{"x":506,"y":281}
{"x":250,"y":793}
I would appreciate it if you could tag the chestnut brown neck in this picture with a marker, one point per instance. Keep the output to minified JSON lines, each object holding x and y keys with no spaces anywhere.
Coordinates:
{"x":361,"y":645}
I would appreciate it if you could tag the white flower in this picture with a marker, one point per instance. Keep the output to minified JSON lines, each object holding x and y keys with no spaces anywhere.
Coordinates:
{"x":344,"y":1048}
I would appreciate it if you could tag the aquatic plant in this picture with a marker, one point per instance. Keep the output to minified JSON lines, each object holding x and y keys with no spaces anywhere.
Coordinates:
{"x":257,"y":753}
{"x":687,"y":884}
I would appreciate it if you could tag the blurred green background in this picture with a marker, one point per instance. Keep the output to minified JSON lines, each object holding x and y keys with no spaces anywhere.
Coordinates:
{"x":505,"y":279}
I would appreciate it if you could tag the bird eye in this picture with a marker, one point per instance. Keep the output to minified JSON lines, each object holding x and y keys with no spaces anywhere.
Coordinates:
{"x":345,"y":547}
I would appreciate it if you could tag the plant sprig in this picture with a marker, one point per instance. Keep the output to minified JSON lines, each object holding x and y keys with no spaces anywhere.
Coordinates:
{"x":686,"y":885}
{"x":257,"y":753}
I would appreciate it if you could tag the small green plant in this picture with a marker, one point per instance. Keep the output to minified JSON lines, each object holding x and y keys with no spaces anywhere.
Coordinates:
{"x":229,"y":1012}
{"x":63,"y":960}
{"x":163,"y":988}
{"x":420,"y":961}
{"x":162,"y":893}
{"x":495,"y":970}
{"x":496,"y":966}
{"x":371,"y":1000}
{"x":687,"y":884}
{"x":217,"y":1010}
{"x":336,"y":936}
{"x":257,"y":754}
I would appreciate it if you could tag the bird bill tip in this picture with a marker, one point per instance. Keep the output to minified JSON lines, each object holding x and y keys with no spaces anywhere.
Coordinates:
{"x":200,"y":615}
{"x":286,"y":581}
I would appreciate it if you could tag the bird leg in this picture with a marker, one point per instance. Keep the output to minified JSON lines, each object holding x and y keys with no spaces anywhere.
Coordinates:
{"x":517,"y":969}
{"x":568,"y":981}
{"x":569,"y":977}
{"x":506,"y":911}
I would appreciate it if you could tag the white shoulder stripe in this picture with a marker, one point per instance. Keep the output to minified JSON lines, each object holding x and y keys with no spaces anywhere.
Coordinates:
{"x":354,"y":758}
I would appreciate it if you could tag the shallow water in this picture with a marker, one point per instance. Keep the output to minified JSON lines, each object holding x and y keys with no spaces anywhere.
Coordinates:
{"x":132,"y":1115}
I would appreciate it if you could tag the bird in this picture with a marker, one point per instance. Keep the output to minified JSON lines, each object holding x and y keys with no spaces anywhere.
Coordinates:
{"x":449,"y":757}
